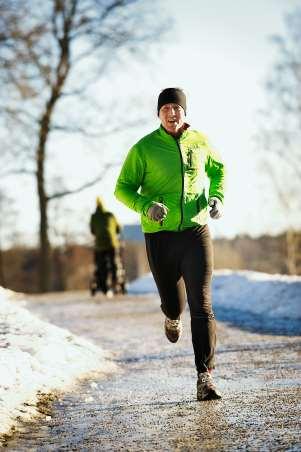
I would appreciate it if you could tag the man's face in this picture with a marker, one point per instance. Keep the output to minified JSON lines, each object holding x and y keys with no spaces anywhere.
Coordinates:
{"x":172,"y":117}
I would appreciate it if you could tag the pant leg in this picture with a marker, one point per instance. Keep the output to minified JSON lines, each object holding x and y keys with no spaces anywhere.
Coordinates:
{"x":98,"y":265}
{"x":112,"y":256}
{"x":102,"y":271}
{"x":163,"y":253}
{"x":197,"y":267}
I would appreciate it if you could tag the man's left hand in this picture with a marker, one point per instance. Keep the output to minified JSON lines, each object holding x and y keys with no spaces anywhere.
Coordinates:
{"x":216,"y":210}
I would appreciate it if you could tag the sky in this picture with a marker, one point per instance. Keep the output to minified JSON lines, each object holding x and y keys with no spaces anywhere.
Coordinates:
{"x":219,"y":52}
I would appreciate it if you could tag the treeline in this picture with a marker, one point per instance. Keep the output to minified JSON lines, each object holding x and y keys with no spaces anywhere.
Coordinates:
{"x":269,"y":254}
{"x":72,"y":266}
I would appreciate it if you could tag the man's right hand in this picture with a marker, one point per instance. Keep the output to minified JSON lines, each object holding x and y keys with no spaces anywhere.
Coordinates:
{"x":216,"y":210}
{"x":157,"y":211}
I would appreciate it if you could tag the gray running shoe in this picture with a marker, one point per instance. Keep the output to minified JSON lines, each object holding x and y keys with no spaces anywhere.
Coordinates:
{"x":173,"y":329}
{"x":206,"y":389}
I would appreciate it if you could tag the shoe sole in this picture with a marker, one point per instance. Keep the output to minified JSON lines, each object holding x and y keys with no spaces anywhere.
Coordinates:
{"x":173,"y":340}
{"x":212,"y":395}
{"x":173,"y":336}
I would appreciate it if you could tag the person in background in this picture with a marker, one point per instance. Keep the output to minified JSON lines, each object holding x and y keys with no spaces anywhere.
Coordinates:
{"x":106,"y":229}
{"x":164,"y":178}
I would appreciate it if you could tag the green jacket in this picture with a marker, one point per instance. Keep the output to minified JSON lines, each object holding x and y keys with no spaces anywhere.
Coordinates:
{"x":176,"y":172}
{"x":105,"y":228}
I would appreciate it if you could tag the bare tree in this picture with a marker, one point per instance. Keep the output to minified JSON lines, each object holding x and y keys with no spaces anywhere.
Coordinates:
{"x":280,"y":128}
{"x":52,"y":52}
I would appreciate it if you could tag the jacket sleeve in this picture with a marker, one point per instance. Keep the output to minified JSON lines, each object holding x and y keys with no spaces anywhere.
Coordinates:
{"x":117,"y":226}
{"x":215,"y":170}
{"x":92,"y":225}
{"x":130,"y":180}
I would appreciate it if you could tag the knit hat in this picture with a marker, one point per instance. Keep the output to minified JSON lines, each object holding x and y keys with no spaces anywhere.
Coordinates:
{"x":172,"y":96}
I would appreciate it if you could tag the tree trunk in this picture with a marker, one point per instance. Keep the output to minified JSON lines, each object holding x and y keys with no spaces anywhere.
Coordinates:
{"x":44,"y":259}
{"x":45,"y":255}
{"x":2,"y":277}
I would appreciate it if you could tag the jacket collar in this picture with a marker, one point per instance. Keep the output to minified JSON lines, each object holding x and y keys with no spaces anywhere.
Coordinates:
{"x":183,"y":134}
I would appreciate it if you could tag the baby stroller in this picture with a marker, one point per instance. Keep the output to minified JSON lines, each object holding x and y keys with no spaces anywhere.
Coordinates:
{"x":109,"y":273}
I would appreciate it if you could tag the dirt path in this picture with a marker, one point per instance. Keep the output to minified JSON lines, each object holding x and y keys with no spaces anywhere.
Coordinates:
{"x":150,"y":403}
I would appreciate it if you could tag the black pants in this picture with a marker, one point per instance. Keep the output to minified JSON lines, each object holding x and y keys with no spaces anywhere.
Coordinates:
{"x":186,"y":254}
{"x":105,"y":263}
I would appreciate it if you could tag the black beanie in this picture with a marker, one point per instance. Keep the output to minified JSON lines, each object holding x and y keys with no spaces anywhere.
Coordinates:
{"x":172,"y":96}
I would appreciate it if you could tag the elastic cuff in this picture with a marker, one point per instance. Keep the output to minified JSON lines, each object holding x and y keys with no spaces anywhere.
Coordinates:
{"x":203,"y":368}
{"x":218,"y":197}
{"x":145,"y":207}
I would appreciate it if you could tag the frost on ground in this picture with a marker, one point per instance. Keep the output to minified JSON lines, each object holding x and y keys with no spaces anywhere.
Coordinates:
{"x":37,"y":357}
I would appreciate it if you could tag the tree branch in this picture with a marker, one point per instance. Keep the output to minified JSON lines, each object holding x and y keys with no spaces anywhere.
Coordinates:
{"x":103,"y":130}
{"x":83,"y":186}
{"x":15,"y":172}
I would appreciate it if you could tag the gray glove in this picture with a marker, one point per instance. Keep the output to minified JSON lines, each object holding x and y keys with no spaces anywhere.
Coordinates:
{"x":157,"y":211}
{"x":216,"y":210}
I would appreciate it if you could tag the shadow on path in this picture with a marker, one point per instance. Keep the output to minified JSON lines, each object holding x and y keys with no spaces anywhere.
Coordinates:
{"x":258,"y":323}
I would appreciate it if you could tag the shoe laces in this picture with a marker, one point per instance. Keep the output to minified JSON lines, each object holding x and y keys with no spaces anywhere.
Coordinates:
{"x":205,"y":377}
{"x":174,"y":324}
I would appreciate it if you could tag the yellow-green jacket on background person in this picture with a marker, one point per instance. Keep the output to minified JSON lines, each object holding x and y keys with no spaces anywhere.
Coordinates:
{"x":105,"y":227}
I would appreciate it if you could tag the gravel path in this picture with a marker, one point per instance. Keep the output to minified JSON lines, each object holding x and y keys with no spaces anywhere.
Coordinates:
{"x":150,"y":403}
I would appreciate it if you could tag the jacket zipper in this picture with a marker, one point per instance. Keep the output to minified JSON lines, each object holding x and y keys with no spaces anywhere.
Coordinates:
{"x":182,"y":194}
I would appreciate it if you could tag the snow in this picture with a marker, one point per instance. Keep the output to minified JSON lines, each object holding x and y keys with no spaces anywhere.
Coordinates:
{"x":258,"y":293}
{"x":143,"y":285}
{"x":275,"y":296}
{"x":37,"y":357}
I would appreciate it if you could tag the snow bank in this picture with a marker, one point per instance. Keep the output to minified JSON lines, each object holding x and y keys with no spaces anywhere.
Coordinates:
{"x":36,"y":356}
{"x":259,"y":293}
{"x":143,"y":285}
{"x":275,"y":296}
